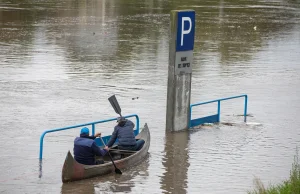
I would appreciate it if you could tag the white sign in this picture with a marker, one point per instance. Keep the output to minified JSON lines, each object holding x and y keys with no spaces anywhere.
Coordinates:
{"x":183,"y":62}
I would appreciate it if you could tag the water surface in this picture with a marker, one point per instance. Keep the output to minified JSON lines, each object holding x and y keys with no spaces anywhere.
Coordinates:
{"x":61,"y":60}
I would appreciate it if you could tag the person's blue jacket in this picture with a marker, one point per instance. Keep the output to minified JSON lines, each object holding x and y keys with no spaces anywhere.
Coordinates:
{"x":124,"y":134}
{"x":85,"y":149}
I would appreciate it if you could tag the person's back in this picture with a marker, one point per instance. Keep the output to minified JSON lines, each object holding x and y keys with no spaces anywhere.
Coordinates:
{"x":125,"y":134}
{"x":85,"y":148}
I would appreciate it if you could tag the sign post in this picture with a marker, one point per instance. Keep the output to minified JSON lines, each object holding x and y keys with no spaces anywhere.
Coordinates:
{"x":181,"y":48}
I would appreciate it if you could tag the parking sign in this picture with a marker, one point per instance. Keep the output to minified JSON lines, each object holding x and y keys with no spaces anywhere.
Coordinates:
{"x":185,"y":31}
{"x":184,"y":41}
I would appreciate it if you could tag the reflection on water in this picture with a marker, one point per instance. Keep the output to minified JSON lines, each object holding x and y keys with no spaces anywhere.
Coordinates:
{"x":98,"y":32}
{"x":61,"y":59}
{"x":175,"y":162}
{"x":40,"y":168}
{"x":109,"y":183}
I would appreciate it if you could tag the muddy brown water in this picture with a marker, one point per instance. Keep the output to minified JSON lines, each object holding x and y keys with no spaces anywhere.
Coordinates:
{"x":61,"y":60}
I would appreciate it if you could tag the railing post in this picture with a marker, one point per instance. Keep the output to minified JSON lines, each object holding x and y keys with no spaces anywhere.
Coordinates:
{"x":93,"y":129}
{"x":41,"y":145}
{"x":137,"y":123}
{"x":219,"y":110}
{"x":245,"y":109}
{"x":190,"y":116}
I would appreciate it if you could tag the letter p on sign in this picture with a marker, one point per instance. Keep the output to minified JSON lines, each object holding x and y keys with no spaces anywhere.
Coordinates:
{"x":185,"y":30}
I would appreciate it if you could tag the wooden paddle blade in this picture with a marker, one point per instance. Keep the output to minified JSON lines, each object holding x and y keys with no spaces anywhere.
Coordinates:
{"x":114,"y":103}
{"x":118,"y":171}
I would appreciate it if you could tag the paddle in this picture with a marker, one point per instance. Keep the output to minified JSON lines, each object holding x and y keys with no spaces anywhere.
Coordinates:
{"x":114,"y":103}
{"x":118,"y":171}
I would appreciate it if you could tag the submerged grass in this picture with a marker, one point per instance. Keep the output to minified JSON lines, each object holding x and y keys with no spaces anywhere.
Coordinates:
{"x":290,"y":186}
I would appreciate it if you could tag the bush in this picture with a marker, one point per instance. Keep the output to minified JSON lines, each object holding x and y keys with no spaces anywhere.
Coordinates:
{"x":290,"y":186}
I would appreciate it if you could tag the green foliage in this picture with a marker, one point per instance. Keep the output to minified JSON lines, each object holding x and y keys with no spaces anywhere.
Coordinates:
{"x":290,"y":186}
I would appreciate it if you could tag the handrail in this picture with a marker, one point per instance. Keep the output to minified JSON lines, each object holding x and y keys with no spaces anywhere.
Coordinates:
{"x":219,"y":105}
{"x":82,"y":125}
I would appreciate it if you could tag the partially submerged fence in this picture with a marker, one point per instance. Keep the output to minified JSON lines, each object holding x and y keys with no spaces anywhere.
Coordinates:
{"x":216,"y":117}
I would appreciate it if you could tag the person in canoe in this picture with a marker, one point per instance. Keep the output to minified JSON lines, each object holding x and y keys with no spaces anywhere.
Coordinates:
{"x":124,"y":132}
{"x":85,"y":148}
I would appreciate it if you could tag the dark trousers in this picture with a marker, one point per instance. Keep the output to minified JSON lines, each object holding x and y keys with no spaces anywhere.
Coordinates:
{"x":137,"y":147}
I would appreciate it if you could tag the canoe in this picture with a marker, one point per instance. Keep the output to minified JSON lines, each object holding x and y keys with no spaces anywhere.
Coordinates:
{"x":123,"y":159}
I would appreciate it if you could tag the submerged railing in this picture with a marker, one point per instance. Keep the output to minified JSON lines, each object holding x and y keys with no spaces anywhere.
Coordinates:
{"x":215,"y":118}
{"x":99,"y":143}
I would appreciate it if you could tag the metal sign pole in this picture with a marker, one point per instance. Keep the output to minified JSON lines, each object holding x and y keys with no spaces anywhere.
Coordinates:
{"x":181,"y":48}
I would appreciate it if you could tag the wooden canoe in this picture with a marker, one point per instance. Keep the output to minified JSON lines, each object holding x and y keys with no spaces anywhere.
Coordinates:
{"x":73,"y":170}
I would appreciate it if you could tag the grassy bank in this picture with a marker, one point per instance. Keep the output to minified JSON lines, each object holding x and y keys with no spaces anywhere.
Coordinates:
{"x":290,"y":186}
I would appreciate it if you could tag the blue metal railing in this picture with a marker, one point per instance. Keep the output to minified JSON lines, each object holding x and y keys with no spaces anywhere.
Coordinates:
{"x":105,"y":139}
{"x":216,"y":117}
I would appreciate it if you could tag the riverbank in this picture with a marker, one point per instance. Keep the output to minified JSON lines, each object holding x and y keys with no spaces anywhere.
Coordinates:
{"x":290,"y":186}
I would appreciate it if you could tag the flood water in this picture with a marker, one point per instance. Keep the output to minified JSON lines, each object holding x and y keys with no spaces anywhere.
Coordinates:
{"x":60,"y":60}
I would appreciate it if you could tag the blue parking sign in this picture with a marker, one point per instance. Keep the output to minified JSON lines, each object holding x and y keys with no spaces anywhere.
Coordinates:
{"x":185,"y":31}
